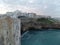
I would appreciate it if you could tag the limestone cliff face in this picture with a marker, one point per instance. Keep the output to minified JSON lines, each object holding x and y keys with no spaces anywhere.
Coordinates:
{"x":8,"y":31}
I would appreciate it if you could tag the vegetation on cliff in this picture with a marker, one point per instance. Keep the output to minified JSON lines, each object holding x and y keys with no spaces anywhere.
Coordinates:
{"x":45,"y":20}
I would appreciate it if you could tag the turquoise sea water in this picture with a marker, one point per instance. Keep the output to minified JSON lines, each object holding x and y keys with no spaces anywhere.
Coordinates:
{"x":41,"y":38}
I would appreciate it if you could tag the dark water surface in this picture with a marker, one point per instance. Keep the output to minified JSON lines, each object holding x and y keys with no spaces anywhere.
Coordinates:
{"x":41,"y":38}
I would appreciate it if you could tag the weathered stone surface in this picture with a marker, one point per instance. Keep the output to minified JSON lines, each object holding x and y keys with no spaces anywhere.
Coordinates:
{"x":10,"y":31}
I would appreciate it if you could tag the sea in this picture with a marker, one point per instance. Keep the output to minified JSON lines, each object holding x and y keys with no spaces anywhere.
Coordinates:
{"x":47,"y":37}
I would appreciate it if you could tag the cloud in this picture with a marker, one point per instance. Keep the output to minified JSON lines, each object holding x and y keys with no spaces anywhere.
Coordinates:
{"x":46,"y":7}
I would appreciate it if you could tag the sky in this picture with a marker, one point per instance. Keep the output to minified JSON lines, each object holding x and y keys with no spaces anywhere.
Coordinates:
{"x":41,"y":7}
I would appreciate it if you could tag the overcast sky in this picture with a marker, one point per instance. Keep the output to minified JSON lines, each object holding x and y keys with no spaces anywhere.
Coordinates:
{"x":42,"y":7}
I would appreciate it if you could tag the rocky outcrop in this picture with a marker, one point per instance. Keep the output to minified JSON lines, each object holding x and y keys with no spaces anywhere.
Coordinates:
{"x":45,"y":24}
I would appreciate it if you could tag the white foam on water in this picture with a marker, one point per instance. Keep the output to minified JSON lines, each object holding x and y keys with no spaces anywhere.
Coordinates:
{"x":24,"y":33}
